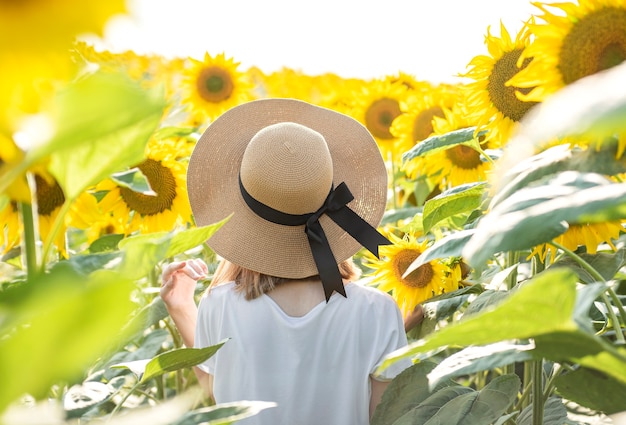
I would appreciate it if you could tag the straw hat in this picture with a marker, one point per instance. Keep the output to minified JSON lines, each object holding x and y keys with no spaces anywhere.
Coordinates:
{"x":284,"y":155}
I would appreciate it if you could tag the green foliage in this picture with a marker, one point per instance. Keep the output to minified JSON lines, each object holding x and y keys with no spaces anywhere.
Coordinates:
{"x":560,"y":324}
{"x":56,"y":325}
{"x":434,"y":144}
{"x":457,"y":200}
{"x":169,"y":361}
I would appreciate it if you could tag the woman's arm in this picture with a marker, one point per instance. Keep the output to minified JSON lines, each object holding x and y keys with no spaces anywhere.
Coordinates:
{"x":378,"y":388}
{"x":178,"y":286}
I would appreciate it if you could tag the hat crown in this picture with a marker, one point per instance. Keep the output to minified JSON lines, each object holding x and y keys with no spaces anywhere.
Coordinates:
{"x":288,"y":167}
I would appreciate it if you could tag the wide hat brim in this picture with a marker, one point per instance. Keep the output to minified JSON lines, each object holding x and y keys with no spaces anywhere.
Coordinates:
{"x":249,"y":240}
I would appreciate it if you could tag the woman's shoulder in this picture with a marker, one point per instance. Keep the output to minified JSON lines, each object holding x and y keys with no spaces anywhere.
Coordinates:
{"x":219,"y":291}
{"x":365,"y":293}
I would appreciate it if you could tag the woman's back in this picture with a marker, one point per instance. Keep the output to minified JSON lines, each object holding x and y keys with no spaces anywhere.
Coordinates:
{"x":311,"y":357}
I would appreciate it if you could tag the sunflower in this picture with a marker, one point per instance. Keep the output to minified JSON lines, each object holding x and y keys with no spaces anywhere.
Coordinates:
{"x":410,"y":82}
{"x":214,"y":85}
{"x":163,"y":211}
{"x":494,"y":102}
{"x":428,"y":280}
{"x":87,"y":214}
{"x":418,"y":111}
{"x":50,"y":199}
{"x":589,"y":37}
{"x":454,"y":166}
{"x":588,"y":235}
{"x":376,"y":106}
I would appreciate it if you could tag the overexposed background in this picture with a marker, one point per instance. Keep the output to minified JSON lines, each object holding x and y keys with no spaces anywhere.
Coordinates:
{"x":432,"y":40}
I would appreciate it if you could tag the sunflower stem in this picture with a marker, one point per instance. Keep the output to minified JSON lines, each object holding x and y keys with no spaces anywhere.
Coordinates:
{"x":537,"y":371}
{"x":619,"y":334}
{"x":29,"y":238}
{"x":512,"y":258}
{"x":617,"y":303}
{"x":121,"y":403}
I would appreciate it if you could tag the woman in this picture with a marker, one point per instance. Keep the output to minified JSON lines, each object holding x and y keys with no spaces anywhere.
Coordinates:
{"x":304,"y":188}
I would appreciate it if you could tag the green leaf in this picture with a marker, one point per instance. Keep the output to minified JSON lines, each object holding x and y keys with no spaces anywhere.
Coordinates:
{"x":585,"y":298}
{"x":142,"y":252}
{"x":134,"y":180}
{"x":406,"y":391}
{"x":443,"y":306}
{"x":486,"y":300}
{"x":607,"y":264}
{"x":224,"y":413}
{"x":429,"y":407}
{"x":147,"y":348}
{"x":105,"y":243}
{"x":479,"y":407}
{"x":137,"y":367}
{"x":585,"y":349}
{"x":593,"y":389}
{"x":73,"y":316}
{"x":191,"y":238}
{"x":104,"y":122}
{"x":537,"y":215}
{"x":457,"y":200}
{"x":145,"y":318}
{"x":451,"y":245}
{"x":90,"y":263}
{"x":554,"y":413}
{"x":438,"y":143}
{"x":555,"y":160}
{"x":393,"y":216}
{"x":509,"y":320}
{"x":477,"y":359}
{"x":178,"y":359}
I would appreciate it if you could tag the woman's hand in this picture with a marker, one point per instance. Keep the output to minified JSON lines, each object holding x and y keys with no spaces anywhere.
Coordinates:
{"x":179,"y":283}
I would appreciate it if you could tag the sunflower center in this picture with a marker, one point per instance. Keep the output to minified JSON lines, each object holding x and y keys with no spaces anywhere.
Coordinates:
{"x":49,"y":195}
{"x":464,"y":157}
{"x":161,"y":181}
{"x":596,"y":42}
{"x":215,"y":84}
{"x":418,"y":278}
{"x":423,"y":124}
{"x":380,"y":115}
{"x":502,"y":96}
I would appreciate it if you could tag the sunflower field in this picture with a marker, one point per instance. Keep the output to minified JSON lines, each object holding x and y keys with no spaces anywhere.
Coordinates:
{"x":506,"y":210}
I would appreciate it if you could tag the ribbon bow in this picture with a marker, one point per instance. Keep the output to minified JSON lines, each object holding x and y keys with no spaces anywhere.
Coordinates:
{"x":336,"y":207}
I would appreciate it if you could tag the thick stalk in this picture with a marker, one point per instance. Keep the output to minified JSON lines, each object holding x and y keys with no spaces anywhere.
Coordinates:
{"x":538,"y":392}
{"x":29,"y":238}
{"x":512,"y":258}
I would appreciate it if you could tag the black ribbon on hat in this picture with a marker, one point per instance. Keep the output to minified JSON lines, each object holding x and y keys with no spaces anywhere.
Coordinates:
{"x":336,"y":207}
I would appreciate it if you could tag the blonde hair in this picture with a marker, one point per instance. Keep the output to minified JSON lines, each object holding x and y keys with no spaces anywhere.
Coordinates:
{"x":254,"y":284}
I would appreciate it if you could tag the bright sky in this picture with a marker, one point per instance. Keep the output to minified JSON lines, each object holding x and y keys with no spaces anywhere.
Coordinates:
{"x":430,"y":39}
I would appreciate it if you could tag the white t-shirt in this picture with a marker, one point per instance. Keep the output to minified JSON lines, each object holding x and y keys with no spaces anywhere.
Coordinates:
{"x":315,"y":367}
